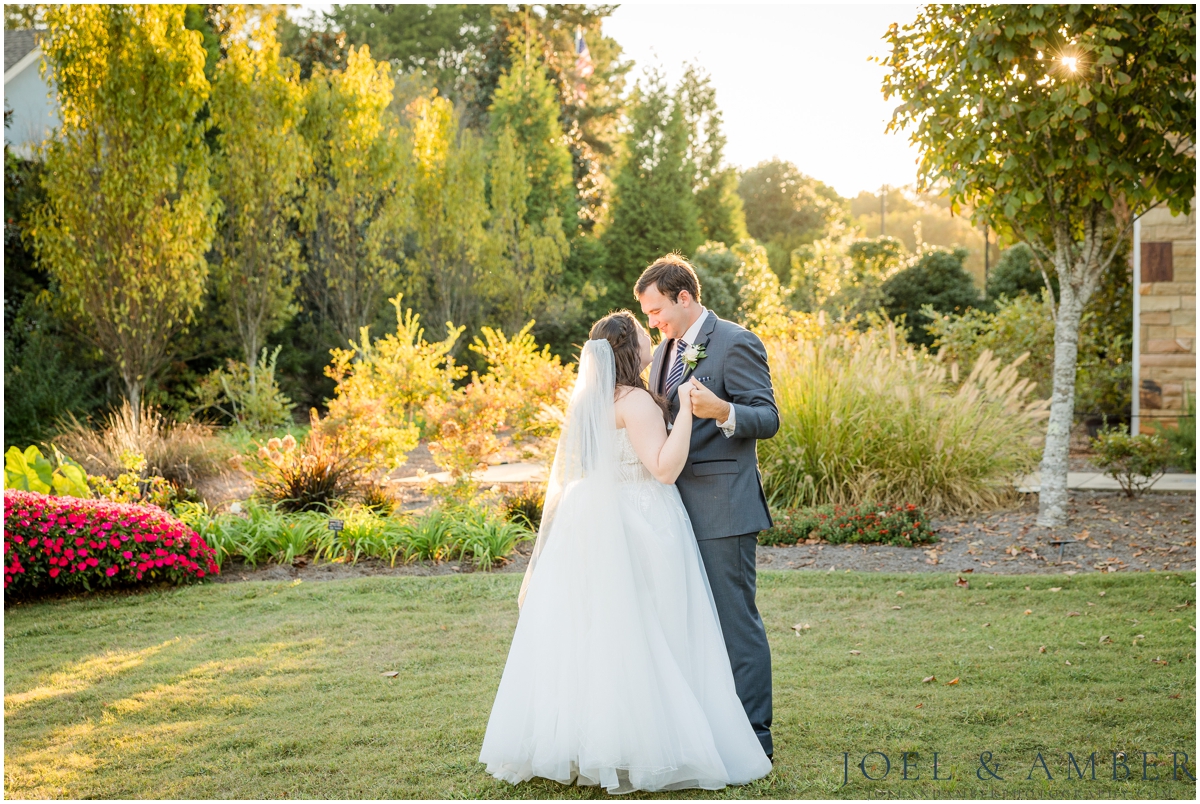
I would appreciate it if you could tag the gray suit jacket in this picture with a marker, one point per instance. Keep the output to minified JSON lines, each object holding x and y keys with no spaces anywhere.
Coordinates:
{"x":721,"y":486}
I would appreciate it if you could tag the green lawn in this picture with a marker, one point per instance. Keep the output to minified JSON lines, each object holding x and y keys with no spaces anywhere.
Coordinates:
{"x":272,"y":690}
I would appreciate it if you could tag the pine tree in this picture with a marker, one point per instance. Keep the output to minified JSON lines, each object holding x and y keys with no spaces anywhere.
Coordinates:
{"x":654,"y":208}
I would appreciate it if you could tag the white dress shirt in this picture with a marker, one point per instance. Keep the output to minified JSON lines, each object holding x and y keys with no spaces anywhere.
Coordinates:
{"x":689,"y":337}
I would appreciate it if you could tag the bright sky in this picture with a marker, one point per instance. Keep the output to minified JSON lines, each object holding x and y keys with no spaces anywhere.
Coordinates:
{"x":793,"y":81}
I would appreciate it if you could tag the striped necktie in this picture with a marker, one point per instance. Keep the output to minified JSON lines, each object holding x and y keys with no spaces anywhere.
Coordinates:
{"x":676,"y":368}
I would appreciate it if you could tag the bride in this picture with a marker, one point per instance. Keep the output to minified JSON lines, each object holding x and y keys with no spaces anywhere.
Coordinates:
{"x":618,"y":675}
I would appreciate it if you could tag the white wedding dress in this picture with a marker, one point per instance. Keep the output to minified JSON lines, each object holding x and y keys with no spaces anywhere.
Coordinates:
{"x":617,"y":675}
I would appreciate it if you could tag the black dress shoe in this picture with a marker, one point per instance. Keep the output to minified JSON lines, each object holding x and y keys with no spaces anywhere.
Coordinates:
{"x":772,"y":758}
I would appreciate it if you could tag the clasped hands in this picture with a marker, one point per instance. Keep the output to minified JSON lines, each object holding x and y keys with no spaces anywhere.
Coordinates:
{"x":705,"y":404}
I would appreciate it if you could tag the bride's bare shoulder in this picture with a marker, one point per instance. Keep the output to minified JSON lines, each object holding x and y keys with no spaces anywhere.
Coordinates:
{"x":629,"y":395}
{"x":633,"y":404}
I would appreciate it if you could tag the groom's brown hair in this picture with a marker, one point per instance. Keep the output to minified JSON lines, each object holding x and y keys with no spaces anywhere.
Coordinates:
{"x":671,"y":274}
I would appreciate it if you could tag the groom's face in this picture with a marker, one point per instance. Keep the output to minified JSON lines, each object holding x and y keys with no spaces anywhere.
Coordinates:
{"x":670,"y":318}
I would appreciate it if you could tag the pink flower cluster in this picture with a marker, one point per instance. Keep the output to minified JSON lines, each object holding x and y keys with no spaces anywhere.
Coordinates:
{"x":65,"y":542}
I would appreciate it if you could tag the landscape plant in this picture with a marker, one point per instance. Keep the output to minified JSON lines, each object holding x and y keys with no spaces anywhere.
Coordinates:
{"x":181,"y":452}
{"x":28,"y":470}
{"x":63,"y":543}
{"x":247,"y":394}
{"x":1134,"y":461}
{"x":383,"y":386}
{"x":865,"y":417}
{"x":937,"y":280}
{"x":305,"y":476}
{"x":863,"y":523}
{"x":1059,"y":125}
{"x":523,"y":378}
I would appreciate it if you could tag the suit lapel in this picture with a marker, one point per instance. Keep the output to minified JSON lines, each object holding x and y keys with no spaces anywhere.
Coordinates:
{"x":706,"y":331}
{"x":656,"y":365}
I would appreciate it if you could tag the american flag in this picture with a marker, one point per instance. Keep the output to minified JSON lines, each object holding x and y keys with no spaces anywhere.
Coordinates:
{"x":583,"y":60}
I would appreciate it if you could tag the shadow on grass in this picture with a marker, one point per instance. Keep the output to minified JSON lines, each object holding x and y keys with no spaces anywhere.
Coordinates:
{"x":271,"y":690}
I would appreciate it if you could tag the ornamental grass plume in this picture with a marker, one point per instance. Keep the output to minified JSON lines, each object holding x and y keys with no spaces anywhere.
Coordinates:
{"x":180,"y":452}
{"x":863,"y":418}
{"x":66,"y":543}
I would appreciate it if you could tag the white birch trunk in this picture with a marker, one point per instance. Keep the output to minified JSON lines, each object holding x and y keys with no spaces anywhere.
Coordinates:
{"x":1078,"y":274}
{"x":1052,"y":498}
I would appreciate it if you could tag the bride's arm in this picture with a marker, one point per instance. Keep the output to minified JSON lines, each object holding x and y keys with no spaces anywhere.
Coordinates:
{"x":663,"y":454}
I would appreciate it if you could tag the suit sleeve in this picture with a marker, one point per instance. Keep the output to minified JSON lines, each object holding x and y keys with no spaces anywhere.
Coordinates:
{"x":748,"y":386}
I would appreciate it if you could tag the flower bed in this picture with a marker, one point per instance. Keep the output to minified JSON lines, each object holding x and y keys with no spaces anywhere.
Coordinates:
{"x":64,"y":542}
{"x":901,"y":525}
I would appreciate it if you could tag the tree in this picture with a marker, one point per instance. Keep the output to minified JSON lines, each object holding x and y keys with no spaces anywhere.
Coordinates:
{"x":1061,"y":124}
{"x":738,"y":283}
{"x":129,"y":210}
{"x":358,"y":200}
{"x":654,"y":208}
{"x":444,"y":264}
{"x":442,"y":41}
{"x":527,"y":258}
{"x":939,"y":280}
{"x":262,"y":163}
{"x":526,"y":105}
{"x":844,"y":275}
{"x":721,"y":216}
{"x":785,"y":209}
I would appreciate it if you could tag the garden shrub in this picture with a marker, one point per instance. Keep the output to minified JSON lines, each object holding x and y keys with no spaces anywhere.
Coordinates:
{"x":522,"y":379}
{"x":864,"y":418}
{"x":524,"y":504}
{"x":247,"y":395}
{"x":1021,"y":325}
{"x":937,"y":279}
{"x":134,"y":485}
{"x":865,"y":523}
{"x":305,"y":477}
{"x":383,"y":386}
{"x":1134,"y":461}
{"x":66,"y":543}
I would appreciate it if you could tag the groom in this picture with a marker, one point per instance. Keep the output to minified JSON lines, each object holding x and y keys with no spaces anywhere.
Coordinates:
{"x":733,"y":406}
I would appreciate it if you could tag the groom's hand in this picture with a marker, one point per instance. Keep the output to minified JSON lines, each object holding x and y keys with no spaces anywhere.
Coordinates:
{"x":706,"y":404}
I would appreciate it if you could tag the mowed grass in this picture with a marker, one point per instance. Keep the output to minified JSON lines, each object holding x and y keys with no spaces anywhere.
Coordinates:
{"x":274,"y":690}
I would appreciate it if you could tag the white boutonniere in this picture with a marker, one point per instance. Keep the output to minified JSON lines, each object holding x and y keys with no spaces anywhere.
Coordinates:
{"x":693,"y":355}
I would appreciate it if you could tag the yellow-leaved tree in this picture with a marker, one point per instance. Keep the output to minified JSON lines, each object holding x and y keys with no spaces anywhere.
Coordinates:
{"x":129,"y":211}
{"x":444,"y":269}
{"x":261,"y":165}
{"x":358,"y":200}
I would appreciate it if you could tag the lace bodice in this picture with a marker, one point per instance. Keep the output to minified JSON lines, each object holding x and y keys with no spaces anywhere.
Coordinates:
{"x":630,"y":468}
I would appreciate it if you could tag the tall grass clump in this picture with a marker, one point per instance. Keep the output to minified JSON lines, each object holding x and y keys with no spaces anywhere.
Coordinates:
{"x":180,"y":452}
{"x":864,"y":418}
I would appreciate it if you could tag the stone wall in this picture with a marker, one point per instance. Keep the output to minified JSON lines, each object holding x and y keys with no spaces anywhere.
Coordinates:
{"x":1167,"y":322}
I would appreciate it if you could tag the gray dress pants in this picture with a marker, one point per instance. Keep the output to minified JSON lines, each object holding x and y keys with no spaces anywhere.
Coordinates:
{"x":730,"y":565}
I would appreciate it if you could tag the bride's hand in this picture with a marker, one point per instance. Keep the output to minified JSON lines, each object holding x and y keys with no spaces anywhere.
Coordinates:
{"x":685,"y":397}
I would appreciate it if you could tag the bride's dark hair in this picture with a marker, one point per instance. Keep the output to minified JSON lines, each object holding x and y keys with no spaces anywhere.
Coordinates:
{"x":621,"y":330}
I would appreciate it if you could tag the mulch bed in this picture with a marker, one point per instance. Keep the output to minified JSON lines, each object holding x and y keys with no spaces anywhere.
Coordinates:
{"x":1107,"y":533}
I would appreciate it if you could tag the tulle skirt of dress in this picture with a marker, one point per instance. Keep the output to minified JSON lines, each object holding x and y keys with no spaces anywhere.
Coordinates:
{"x":617,"y":674}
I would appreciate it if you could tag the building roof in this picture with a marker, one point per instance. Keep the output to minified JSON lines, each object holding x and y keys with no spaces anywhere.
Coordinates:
{"x":18,"y":45}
